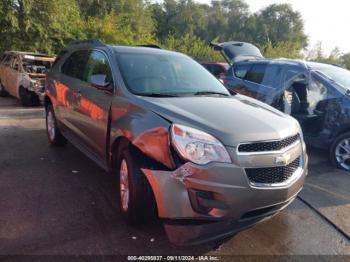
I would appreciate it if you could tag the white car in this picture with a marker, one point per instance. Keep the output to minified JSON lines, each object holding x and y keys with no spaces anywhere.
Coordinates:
{"x":23,"y":74}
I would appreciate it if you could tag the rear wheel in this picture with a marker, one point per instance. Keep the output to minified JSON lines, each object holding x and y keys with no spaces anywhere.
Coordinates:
{"x":136,"y":199}
{"x":28,"y":98}
{"x":340,"y":152}
{"x":53,"y":133}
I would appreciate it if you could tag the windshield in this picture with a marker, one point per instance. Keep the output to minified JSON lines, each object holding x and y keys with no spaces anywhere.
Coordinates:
{"x":164,"y":74}
{"x":36,"y":66}
{"x":337,"y":74}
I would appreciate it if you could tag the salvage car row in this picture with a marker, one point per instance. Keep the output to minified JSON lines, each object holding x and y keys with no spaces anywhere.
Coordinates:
{"x":208,"y":162}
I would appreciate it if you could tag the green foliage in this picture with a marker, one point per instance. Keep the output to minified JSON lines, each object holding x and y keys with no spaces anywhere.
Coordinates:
{"x":280,"y":23}
{"x":192,"y":46}
{"x":281,"y":50}
{"x":183,"y":25}
{"x":346,"y":60}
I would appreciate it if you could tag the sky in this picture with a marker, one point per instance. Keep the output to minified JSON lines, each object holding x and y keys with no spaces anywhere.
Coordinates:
{"x":325,"y":21}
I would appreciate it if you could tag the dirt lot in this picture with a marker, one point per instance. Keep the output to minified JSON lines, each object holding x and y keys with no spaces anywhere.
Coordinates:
{"x":57,"y":201}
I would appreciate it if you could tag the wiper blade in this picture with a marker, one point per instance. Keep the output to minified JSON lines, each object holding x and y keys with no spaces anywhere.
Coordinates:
{"x":157,"y":94}
{"x":200,"y":93}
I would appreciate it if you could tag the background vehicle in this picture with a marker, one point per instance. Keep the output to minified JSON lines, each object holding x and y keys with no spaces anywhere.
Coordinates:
{"x":22,"y":75}
{"x":216,"y":68}
{"x":158,"y":121}
{"x":316,"y":94}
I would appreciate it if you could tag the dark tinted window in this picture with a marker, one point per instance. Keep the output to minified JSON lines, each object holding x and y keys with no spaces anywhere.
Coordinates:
{"x":74,"y":66}
{"x":98,"y":67}
{"x":241,"y":71}
{"x":256,"y":73}
{"x":217,"y":70}
{"x":272,"y":76}
{"x":59,"y":57}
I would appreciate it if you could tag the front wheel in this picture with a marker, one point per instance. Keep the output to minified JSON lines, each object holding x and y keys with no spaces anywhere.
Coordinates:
{"x":53,"y":133}
{"x":136,"y":199}
{"x":3,"y":92}
{"x":340,"y":152}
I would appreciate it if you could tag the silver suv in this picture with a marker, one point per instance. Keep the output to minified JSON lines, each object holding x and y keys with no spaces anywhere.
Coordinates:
{"x":22,"y":75}
{"x":209,"y":163}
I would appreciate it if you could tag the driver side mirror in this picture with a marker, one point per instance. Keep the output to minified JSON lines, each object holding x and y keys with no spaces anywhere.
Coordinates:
{"x":100,"y":82}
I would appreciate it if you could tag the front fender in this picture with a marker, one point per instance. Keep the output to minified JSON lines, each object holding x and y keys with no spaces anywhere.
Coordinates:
{"x":145,"y":130}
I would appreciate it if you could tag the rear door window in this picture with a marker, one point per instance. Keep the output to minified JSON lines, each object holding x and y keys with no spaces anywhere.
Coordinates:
{"x":256,"y":73}
{"x":241,"y":71}
{"x":75,"y":64}
{"x":273,"y":74}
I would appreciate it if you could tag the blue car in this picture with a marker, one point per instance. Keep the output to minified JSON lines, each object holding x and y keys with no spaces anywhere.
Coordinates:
{"x":316,"y":94}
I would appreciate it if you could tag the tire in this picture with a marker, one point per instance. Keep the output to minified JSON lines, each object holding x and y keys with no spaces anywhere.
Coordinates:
{"x":24,"y":96}
{"x":135,"y":196}
{"x":340,"y":152}
{"x":35,"y":100}
{"x":3,"y":92}
{"x":53,"y":133}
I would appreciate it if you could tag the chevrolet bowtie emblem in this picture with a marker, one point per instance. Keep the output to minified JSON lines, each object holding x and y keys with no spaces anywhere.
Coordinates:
{"x":282,"y":160}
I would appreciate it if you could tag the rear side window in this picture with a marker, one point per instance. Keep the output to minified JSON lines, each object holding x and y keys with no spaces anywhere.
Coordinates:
{"x":75,"y":65}
{"x":256,"y":73}
{"x":241,"y":71}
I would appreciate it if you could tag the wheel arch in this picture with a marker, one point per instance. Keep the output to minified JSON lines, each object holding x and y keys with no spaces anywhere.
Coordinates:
{"x":340,"y":131}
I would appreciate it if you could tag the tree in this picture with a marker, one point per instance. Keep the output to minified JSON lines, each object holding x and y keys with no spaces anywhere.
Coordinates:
{"x":346,"y":60}
{"x":39,"y":25}
{"x":280,"y":23}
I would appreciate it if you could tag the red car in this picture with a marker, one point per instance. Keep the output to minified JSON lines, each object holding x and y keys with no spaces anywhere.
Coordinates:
{"x":218,"y":69}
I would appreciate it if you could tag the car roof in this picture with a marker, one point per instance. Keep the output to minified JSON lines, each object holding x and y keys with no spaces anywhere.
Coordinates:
{"x":142,"y":50}
{"x":278,"y":61}
{"x":292,"y":62}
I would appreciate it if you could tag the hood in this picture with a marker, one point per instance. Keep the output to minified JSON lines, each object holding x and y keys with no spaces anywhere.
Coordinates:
{"x":237,"y":51}
{"x":232,"y":120}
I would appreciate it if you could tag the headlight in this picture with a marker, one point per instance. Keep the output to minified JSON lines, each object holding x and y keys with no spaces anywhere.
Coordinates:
{"x":35,"y":84}
{"x":197,"y":146}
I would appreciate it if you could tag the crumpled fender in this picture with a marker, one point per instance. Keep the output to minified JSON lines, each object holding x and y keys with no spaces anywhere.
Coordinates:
{"x":145,"y":130}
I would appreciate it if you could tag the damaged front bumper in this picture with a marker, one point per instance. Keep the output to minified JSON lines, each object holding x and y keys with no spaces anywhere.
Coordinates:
{"x":204,"y":203}
{"x":37,"y":87}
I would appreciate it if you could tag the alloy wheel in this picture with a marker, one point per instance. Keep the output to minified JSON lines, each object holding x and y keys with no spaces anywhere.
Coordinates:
{"x":342,"y":153}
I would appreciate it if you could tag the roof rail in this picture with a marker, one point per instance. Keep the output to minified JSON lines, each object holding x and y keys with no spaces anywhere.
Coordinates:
{"x":89,"y":41}
{"x":150,"y":46}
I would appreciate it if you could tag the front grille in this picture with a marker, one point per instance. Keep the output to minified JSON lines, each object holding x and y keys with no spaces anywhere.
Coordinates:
{"x":272,"y":175}
{"x":268,"y":146}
